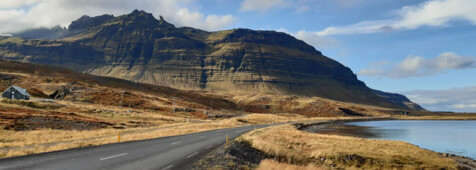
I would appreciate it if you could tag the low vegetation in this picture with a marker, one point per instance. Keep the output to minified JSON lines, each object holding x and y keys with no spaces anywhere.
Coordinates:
{"x":92,"y":110}
{"x":35,"y":105}
{"x":29,"y":142}
{"x":269,"y":164}
{"x":16,"y":143}
{"x":292,"y":148}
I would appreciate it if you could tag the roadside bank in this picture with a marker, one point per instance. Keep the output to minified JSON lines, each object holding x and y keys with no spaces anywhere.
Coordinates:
{"x":288,"y":146}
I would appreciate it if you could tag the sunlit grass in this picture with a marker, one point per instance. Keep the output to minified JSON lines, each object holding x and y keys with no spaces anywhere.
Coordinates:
{"x":292,"y":146}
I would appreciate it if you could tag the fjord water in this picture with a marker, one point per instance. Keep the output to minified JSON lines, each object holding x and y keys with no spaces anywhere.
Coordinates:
{"x":456,"y":137}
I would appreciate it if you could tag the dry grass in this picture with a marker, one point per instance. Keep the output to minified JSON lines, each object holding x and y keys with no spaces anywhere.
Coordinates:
{"x":307,"y":106}
{"x":30,"y":142}
{"x":290,"y":145}
{"x":256,"y":118}
{"x":37,"y":141}
{"x":269,"y":164}
{"x":267,"y":118}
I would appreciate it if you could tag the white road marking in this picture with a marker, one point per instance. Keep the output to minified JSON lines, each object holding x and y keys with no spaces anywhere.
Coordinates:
{"x":208,"y":147}
{"x":168,"y":167}
{"x":201,"y":137}
{"x":102,"y":159}
{"x":193,"y":154}
{"x":176,"y":142}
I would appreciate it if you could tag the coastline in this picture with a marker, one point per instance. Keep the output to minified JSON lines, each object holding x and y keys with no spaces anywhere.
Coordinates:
{"x":463,"y":161}
{"x":243,"y":152}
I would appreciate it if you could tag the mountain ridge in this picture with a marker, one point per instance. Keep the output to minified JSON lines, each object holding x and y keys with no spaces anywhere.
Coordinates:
{"x":140,"y":48}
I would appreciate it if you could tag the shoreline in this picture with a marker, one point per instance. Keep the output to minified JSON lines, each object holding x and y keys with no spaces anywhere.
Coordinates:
{"x":463,"y":161}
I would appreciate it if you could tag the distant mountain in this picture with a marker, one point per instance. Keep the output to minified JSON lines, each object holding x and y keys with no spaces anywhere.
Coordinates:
{"x":140,"y":48}
{"x":44,"y":33}
{"x":398,"y":99}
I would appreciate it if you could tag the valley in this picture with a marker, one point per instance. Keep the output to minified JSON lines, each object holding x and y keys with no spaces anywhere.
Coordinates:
{"x":87,"y":110}
{"x":118,"y":82}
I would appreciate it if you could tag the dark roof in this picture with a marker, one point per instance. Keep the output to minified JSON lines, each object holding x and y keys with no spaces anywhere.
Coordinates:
{"x":20,"y":90}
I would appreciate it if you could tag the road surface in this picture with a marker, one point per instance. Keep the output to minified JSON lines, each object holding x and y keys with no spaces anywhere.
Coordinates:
{"x":160,"y":153}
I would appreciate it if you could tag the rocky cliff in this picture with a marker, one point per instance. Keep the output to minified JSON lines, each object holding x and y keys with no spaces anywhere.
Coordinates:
{"x":141,"y":48}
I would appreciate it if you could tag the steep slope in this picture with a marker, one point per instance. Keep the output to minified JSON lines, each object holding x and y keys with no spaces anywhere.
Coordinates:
{"x":398,"y":99}
{"x":41,"y":79}
{"x":140,"y":48}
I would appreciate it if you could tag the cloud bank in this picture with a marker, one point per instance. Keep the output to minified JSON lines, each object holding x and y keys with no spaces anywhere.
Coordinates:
{"x":261,"y":5}
{"x":313,"y":39}
{"x":18,"y":15}
{"x":416,"y":66}
{"x":456,"y":99}
{"x":266,"y":5}
{"x":435,"y":13}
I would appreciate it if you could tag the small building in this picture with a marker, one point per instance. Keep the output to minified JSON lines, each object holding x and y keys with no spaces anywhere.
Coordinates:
{"x":15,"y":92}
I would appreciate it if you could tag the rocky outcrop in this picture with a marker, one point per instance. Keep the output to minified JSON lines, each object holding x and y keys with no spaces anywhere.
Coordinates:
{"x":140,"y":48}
{"x":86,"y":22}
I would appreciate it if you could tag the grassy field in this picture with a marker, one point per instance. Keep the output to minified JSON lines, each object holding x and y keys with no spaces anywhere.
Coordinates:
{"x":29,"y":127}
{"x":17,"y":143}
{"x":30,"y":142}
{"x":269,"y":164}
{"x":93,"y":110}
{"x":294,"y":149}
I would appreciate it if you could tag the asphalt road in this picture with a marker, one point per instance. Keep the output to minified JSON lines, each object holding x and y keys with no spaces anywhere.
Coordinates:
{"x":160,"y":153}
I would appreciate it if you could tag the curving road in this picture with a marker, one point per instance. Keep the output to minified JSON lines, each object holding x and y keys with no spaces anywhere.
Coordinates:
{"x":174,"y":152}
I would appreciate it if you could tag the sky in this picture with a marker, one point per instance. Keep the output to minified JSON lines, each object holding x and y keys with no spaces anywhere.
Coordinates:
{"x":424,"y":49}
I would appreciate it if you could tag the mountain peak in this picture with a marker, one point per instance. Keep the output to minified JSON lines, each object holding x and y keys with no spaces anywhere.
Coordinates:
{"x":87,"y":22}
{"x":140,"y":18}
{"x":141,"y":48}
{"x":137,"y":12}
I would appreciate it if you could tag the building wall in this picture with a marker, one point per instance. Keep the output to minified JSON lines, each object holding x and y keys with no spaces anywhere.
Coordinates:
{"x":8,"y":94}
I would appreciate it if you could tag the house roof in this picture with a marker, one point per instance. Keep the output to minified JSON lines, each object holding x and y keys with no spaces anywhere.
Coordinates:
{"x":20,"y":90}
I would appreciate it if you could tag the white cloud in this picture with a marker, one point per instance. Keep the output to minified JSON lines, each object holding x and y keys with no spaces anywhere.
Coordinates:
{"x":6,"y":15}
{"x":16,"y":3}
{"x":464,"y":106}
{"x":359,"y":28}
{"x":48,"y":13}
{"x":316,"y":40}
{"x":415,"y":66}
{"x":5,"y":35}
{"x":313,"y":39}
{"x":265,"y":5}
{"x":461,"y":99}
{"x":212,"y":22}
{"x":261,"y":5}
{"x":435,"y":13}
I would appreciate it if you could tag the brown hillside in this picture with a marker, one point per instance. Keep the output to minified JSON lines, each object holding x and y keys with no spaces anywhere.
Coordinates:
{"x":140,"y":48}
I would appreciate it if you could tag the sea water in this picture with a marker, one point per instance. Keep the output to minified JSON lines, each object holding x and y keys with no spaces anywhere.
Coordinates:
{"x":456,"y":137}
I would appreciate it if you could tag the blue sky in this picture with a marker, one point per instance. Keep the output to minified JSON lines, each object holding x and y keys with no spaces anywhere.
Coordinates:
{"x":421,"y":48}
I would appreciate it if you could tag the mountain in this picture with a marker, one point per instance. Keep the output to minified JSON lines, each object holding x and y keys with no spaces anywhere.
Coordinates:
{"x":141,"y":48}
{"x":44,"y":33}
{"x":398,"y":99}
